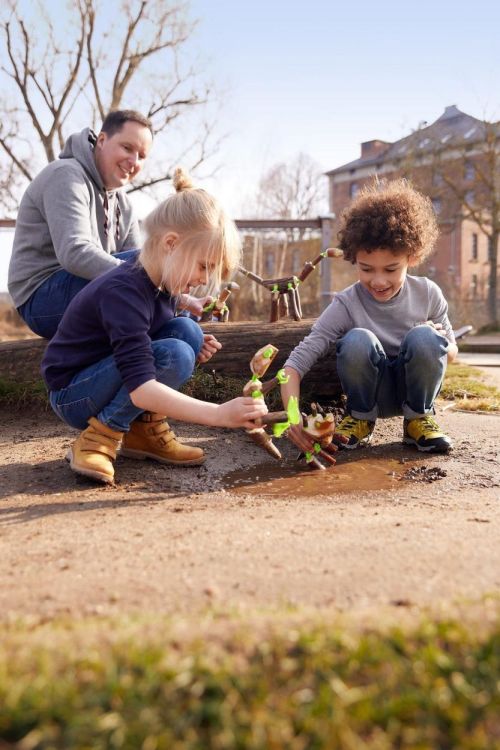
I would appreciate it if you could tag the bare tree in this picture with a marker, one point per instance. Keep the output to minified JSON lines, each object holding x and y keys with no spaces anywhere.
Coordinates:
{"x":81,"y":63}
{"x":292,"y":190}
{"x":474,"y":181}
{"x":465,"y":178}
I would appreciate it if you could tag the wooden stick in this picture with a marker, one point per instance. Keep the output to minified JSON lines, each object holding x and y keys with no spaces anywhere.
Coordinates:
{"x":292,"y":296}
{"x":275,"y":311}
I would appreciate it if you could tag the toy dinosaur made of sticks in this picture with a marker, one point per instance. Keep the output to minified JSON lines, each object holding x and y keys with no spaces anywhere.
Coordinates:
{"x":217,"y":310}
{"x":285,"y":298}
{"x":320,"y":426}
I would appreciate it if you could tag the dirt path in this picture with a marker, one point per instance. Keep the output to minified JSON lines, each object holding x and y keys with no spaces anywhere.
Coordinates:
{"x":244,"y":532}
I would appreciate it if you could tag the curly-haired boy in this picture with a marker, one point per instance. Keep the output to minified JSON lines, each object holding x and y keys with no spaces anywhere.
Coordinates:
{"x":392,"y":333}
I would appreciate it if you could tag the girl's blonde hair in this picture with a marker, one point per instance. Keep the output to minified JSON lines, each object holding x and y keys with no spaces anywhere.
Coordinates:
{"x":201,"y":224}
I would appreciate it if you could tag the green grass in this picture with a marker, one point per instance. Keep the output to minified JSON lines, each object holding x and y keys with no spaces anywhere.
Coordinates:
{"x":465,"y":385}
{"x":217,"y":388}
{"x":282,"y":684}
{"x":19,"y":395}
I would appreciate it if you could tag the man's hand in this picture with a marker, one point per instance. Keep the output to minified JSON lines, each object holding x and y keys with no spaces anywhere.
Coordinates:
{"x":209,"y":348}
{"x":194,"y":305}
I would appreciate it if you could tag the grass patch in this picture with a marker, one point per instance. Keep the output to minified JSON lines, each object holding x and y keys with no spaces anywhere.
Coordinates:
{"x":20,"y":395}
{"x":465,"y":385}
{"x":286,"y":685}
{"x":217,"y":388}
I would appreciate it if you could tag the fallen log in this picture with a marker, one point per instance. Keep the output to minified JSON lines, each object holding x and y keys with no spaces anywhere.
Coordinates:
{"x":20,"y":360}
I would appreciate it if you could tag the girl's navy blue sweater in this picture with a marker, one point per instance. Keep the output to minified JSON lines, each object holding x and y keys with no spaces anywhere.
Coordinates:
{"x":116,"y":314}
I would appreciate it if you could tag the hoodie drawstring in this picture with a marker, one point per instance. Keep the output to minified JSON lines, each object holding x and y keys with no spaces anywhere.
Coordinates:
{"x":106,"y":217}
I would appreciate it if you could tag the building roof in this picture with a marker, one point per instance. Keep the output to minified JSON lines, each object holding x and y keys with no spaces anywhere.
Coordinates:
{"x":452,"y":127}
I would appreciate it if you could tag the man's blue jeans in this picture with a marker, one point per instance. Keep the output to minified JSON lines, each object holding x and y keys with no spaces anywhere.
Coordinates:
{"x":98,"y":390}
{"x":379,"y":386}
{"x":43,"y":311}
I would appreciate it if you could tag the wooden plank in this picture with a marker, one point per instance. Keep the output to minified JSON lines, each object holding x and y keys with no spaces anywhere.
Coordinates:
{"x":20,"y":360}
{"x":258,"y":224}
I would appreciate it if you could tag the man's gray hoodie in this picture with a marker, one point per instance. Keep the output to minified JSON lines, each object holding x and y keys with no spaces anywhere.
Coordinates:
{"x":61,"y":222}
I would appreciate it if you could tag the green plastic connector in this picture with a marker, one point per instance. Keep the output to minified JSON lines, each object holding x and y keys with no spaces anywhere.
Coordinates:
{"x":280,"y":428}
{"x":281,"y":377}
{"x":293,"y":410}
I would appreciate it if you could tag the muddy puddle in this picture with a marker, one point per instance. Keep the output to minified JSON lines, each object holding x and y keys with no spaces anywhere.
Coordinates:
{"x":294,"y":480}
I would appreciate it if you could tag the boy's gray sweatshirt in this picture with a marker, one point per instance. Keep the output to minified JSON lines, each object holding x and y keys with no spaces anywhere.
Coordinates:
{"x":418,"y":301}
{"x":61,"y":222}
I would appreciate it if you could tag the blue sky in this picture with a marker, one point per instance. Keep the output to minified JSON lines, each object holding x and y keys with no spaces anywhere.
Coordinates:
{"x":323,"y":76}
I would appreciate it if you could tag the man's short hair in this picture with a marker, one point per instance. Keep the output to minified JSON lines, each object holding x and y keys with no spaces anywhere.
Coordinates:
{"x":114,"y":121}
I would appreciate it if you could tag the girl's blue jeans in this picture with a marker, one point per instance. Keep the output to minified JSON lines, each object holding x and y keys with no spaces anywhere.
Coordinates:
{"x":43,"y":311}
{"x":379,"y":386}
{"x":98,"y":390}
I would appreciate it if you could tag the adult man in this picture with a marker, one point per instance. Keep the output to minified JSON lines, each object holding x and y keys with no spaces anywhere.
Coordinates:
{"x":75,"y":221}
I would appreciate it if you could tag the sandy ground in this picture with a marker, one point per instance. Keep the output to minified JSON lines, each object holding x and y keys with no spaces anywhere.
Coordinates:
{"x":244,"y":531}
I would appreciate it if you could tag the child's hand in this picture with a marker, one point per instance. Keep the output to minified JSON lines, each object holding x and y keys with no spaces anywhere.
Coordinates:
{"x":300,"y":438}
{"x":436,"y":326}
{"x":241,"y":412}
{"x":209,"y":347}
{"x":305,"y":442}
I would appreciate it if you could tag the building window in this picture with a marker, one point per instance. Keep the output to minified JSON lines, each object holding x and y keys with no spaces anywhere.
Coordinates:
{"x":436,"y":204}
{"x":296,"y":264}
{"x":269,"y":264}
{"x":469,"y":197}
{"x":353,"y":189}
{"x":469,"y":171}
{"x":474,"y":247}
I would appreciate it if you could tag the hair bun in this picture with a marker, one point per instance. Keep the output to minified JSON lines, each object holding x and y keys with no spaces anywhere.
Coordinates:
{"x":181,"y":180}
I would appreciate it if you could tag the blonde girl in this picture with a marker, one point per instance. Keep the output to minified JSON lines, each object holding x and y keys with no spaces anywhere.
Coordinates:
{"x":120,"y":355}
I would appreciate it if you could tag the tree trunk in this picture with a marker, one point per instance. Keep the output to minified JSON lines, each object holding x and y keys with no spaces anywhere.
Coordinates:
{"x":20,"y":360}
{"x":493,"y":279}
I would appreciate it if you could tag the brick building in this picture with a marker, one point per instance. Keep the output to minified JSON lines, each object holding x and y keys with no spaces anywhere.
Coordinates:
{"x":456,"y":161}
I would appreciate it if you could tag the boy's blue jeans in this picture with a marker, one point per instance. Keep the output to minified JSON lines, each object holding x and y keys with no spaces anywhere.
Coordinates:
{"x":379,"y":386}
{"x":43,"y":311}
{"x":98,"y":390}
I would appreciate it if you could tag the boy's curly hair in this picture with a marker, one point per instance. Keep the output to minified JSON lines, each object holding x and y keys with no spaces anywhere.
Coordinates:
{"x":391,"y":216}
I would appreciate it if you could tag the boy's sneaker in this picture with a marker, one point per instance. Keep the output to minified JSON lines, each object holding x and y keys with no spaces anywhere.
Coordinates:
{"x":357,"y":431}
{"x":426,"y":435}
